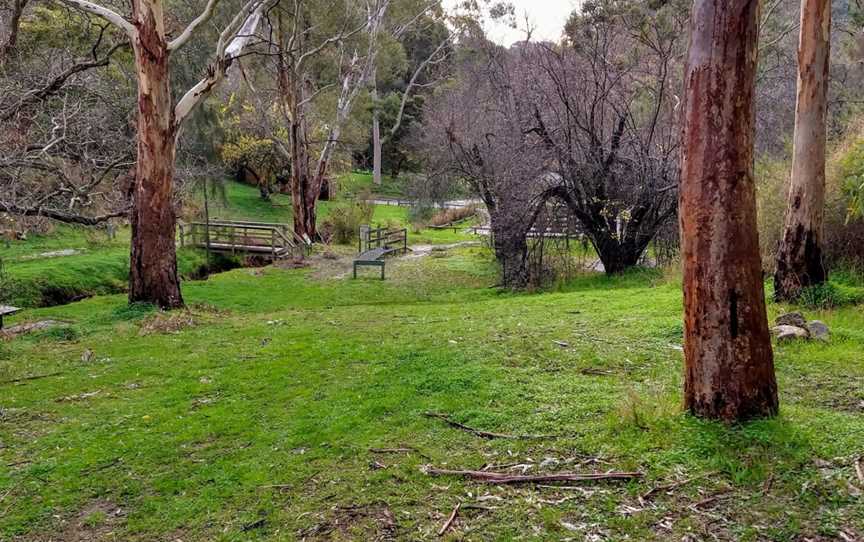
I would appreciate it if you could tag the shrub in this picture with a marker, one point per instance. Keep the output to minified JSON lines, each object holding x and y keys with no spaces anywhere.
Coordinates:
{"x":843,"y":227}
{"x":829,"y":295}
{"x":455,"y":214}
{"x":343,"y":222}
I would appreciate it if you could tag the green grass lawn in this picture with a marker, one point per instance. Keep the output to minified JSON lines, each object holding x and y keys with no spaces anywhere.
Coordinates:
{"x":37,"y":277}
{"x":254,"y":416}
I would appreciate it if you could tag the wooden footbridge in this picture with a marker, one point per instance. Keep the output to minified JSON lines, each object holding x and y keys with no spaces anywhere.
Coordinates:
{"x":266,"y":239}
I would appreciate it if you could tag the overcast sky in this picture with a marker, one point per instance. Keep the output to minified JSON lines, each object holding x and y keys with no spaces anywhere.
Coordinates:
{"x":548,"y":17}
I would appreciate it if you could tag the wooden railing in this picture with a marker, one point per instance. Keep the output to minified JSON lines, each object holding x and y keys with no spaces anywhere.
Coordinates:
{"x":392,"y":239}
{"x":232,"y":236}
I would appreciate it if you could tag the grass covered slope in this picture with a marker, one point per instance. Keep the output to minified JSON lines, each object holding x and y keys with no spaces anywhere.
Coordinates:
{"x":41,"y":272}
{"x":73,"y":263}
{"x":255,"y":416}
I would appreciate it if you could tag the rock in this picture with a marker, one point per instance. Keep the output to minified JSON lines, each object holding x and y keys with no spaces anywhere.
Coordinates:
{"x":818,"y":330}
{"x":795,"y":319}
{"x":789,"y":333}
{"x":21,"y":329}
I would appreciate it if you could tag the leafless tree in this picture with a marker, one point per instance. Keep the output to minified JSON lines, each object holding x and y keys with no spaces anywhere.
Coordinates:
{"x":479,"y":130}
{"x":303,"y":37}
{"x":605,"y":104}
{"x":65,"y":137}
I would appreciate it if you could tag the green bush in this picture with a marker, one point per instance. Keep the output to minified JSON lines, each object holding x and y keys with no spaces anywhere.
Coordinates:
{"x":343,"y":222}
{"x":830,"y":295}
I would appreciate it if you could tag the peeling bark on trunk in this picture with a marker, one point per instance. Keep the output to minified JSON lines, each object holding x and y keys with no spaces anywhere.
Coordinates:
{"x":304,"y":192}
{"x":153,"y":267}
{"x":729,"y":367}
{"x":799,"y":258}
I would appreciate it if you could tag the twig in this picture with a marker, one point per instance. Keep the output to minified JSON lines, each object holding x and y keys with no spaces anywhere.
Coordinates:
{"x":504,"y":478}
{"x":859,"y":469}
{"x":28,"y":378}
{"x":709,"y":500}
{"x":444,"y":528}
{"x":676,"y":485}
{"x":481,"y":433}
{"x":401,"y":450}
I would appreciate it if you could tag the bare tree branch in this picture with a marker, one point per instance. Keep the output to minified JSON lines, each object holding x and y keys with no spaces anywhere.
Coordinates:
{"x":111,"y":16}
{"x":187,"y":33}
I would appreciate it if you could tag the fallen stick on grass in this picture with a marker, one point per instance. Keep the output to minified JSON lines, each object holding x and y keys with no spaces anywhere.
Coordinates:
{"x":444,"y":528}
{"x":480,"y":433}
{"x":859,"y":469}
{"x":675,"y":485}
{"x":29,"y":378}
{"x":504,"y":478}
{"x":401,"y":450}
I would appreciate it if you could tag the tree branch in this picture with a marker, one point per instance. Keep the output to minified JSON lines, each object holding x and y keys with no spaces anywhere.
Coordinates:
{"x":111,"y":16}
{"x":184,"y":37}
{"x":62,"y":216}
{"x":224,"y":56}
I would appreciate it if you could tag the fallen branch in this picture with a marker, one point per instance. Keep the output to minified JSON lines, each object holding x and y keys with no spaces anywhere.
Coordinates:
{"x":504,"y":478}
{"x":710,"y":500}
{"x":480,"y":433}
{"x":446,"y":527}
{"x":859,"y":469}
{"x":401,"y":450}
{"x":675,"y":485}
{"x":28,"y":378}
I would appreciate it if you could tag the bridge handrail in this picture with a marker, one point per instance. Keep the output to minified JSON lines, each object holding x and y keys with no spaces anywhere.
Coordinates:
{"x":230,"y":232}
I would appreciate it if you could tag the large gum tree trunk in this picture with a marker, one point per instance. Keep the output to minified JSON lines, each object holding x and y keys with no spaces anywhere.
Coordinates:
{"x":799,"y":258}
{"x":153,"y":265}
{"x":729,"y":366}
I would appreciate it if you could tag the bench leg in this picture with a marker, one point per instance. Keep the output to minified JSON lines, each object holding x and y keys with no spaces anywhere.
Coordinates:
{"x":355,"y":270}
{"x":382,"y":272}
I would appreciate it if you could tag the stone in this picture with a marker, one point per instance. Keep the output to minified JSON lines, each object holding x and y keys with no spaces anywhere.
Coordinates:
{"x":792,"y":319}
{"x":790,"y":333}
{"x":819,"y":330}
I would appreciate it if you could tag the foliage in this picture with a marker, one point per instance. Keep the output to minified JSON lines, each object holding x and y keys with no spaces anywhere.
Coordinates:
{"x":851,"y":171}
{"x":343,"y":221}
{"x":830,"y":295}
{"x":843,"y":225}
{"x":451,"y":215}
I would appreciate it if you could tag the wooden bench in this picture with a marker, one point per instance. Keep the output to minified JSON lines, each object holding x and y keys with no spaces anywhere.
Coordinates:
{"x":7,"y":310}
{"x":374,"y":258}
{"x":377,"y":243}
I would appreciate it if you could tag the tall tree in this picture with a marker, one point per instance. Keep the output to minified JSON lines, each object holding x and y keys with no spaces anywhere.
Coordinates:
{"x":729,"y":371}
{"x":428,"y":22}
{"x":304,"y":34}
{"x":799,"y":258}
{"x":153,"y":267}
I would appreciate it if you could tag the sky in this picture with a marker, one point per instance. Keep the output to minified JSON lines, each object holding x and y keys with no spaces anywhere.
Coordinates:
{"x":547,"y":16}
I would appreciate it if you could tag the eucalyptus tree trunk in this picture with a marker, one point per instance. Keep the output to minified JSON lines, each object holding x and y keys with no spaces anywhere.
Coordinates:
{"x":153,"y":274}
{"x":729,"y":366}
{"x":799,"y":258}
{"x":304,"y":193}
{"x":153,"y":266}
{"x":376,"y":132}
